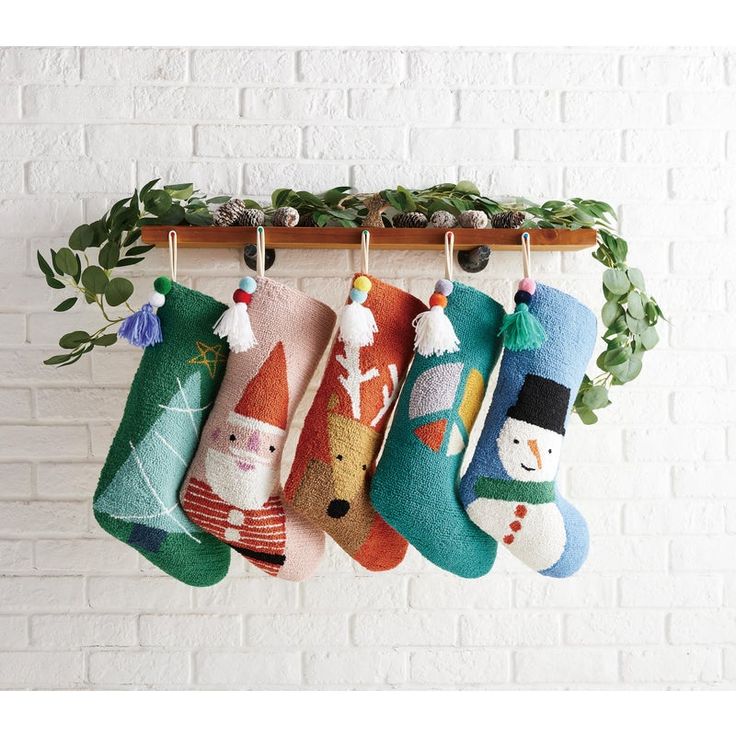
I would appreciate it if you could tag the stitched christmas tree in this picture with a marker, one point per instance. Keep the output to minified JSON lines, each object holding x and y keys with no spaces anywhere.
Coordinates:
{"x":137,"y":491}
{"x":173,"y":390}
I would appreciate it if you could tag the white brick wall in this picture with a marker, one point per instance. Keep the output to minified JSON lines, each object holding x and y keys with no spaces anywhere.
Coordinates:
{"x":652,"y":131}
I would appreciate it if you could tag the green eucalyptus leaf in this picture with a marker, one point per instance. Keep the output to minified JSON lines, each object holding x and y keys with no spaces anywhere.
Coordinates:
{"x":94,"y":279}
{"x":157,"y":202}
{"x":615,"y":357}
{"x":611,"y":312}
{"x":649,"y":338}
{"x":128,"y":262}
{"x":44,"y":266}
{"x":109,"y":254}
{"x":66,"y":304}
{"x":179,"y":191}
{"x":280,"y":197}
{"x":637,"y":278}
{"x":616,"y":281}
{"x":73,"y":339}
{"x":174,"y":216}
{"x":586,"y":415}
{"x":117,"y":291}
{"x":628,"y":370}
{"x":55,"y":283}
{"x":66,"y":262}
{"x":596,"y":397}
{"x":82,"y":237}
{"x":467,"y":187}
{"x":201,"y":217}
{"x":138,"y":250}
{"x":57,"y":359}
{"x":105,"y":340}
{"x":635,"y":305}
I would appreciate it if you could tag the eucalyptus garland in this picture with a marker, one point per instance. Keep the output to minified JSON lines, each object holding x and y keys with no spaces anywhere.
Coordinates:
{"x":629,"y":314}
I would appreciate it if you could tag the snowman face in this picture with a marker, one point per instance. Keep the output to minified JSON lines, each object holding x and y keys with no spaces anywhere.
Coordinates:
{"x":528,"y":452}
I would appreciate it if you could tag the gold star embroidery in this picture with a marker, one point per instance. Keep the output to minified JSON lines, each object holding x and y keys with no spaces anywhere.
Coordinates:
{"x":209,"y":355}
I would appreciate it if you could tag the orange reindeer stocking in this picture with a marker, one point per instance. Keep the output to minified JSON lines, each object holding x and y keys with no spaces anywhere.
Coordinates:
{"x":343,"y":431}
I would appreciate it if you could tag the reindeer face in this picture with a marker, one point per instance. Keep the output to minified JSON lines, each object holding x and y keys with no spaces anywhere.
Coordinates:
{"x":352,"y":448}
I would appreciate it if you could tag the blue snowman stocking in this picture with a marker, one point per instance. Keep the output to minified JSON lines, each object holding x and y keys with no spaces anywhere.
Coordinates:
{"x":509,"y":489}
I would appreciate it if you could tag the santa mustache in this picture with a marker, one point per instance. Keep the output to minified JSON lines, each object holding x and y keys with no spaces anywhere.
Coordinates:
{"x":247,"y":459}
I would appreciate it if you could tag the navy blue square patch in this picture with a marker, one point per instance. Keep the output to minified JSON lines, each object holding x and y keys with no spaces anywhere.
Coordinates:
{"x":146,"y":538}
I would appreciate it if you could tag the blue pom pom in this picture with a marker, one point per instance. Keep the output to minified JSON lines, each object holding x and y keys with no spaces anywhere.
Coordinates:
{"x":356,"y":295}
{"x":143,"y":328}
{"x":248,"y":285}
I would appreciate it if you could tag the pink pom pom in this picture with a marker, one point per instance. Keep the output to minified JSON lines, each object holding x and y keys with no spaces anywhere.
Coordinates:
{"x":528,"y":285}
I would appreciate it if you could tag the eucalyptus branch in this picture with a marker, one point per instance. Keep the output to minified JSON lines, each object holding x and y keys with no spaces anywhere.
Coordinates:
{"x":629,"y":313}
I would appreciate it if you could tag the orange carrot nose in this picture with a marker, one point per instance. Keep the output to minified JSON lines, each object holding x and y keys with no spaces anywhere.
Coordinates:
{"x":534,"y":447}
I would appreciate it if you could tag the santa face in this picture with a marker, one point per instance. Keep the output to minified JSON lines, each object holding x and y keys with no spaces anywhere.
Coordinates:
{"x":242,"y":462}
{"x":528,"y":452}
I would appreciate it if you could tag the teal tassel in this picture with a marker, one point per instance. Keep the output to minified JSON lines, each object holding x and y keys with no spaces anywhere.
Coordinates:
{"x":521,"y":330}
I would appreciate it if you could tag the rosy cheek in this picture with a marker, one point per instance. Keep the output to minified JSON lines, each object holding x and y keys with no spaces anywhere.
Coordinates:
{"x":215,"y":435}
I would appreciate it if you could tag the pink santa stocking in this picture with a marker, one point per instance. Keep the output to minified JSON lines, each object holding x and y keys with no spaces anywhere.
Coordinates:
{"x":232,"y":488}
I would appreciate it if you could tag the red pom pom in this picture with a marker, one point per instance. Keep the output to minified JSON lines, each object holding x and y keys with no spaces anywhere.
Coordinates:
{"x":242,"y":296}
{"x":438,"y":300}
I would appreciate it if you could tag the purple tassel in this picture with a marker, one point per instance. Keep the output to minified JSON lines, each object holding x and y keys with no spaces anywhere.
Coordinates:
{"x":142,"y":328}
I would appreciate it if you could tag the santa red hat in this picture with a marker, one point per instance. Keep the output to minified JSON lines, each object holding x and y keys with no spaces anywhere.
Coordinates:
{"x":265,"y":400}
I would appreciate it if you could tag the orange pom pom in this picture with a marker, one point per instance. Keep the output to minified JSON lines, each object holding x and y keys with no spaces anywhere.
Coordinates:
{"x":438,"y":300}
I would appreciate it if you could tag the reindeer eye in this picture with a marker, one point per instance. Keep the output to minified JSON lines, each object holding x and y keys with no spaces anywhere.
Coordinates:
{"x":365,"y":467}
{"x":516,"y":442}
{"x":232,"y":438}
{"x":273,"y":449}
{"x":339,"y":457}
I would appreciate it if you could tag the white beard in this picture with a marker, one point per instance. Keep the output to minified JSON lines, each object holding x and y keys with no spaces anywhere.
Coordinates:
{"x":244,"y":489}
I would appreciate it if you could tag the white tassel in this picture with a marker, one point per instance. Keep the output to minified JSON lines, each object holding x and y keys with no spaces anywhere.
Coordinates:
{"x":234,"y":324}
{"x":357,"y":325}
{"x":435,"y":334}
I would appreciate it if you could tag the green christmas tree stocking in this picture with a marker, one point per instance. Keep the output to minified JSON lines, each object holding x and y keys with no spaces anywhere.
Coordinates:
{"x":414,"y":488}
{"x":172,"y":392}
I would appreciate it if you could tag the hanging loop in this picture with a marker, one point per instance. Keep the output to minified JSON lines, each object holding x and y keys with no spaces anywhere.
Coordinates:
{"x":449,"y":253}
{"x":173,"y":253}
{"x":365,"y":246}
{"x":526,"y":254}
{"x":260,"y":251}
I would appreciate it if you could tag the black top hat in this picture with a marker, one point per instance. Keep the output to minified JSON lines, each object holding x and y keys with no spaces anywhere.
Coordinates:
{"x":543,"y":403}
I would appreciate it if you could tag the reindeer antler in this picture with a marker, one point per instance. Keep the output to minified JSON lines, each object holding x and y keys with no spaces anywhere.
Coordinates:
{"x":354,"y":378}
{"x":388,"y":397}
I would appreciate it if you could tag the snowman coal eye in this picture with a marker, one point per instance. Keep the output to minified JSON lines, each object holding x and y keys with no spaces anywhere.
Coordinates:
{"x":516,"y":442}
{"x":273,"y":449}
{"x":549,"y":452}
{"x":232,"y":438}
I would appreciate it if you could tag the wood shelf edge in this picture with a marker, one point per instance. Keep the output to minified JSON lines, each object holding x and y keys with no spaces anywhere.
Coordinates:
{"x":547,"y":239}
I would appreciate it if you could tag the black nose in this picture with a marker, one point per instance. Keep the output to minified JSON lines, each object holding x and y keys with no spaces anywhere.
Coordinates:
{"x":338,"y":508}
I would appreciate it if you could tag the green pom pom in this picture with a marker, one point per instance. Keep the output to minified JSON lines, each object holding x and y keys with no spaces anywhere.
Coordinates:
{"x":522,"y":330}
{"x":162,"y":285}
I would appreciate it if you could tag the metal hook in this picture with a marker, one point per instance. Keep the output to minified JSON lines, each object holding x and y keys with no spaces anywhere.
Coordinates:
{"x":475,"y":260}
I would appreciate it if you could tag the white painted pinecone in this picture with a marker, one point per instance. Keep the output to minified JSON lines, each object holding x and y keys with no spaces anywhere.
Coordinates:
{"x":285,"y":217}
{"x":443,"y":219}
{"x":230,"y":213}
{"x":473,"y":218}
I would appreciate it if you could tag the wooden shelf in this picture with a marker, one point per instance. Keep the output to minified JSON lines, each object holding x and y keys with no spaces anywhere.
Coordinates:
{"x":319,"y":238}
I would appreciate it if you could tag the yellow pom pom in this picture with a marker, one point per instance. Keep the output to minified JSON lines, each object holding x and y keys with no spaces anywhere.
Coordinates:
{"x":362,"y":283}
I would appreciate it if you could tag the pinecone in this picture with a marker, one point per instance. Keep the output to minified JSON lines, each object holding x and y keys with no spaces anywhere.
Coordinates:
{"x":252,"y":218}
{"x":285,"y":217}
{"x":307,"y":220}
{"x":508,"y":219}
{"x":443,"y":219}
{"x":409,"y":219}
{"x":230,"y":213}
{"x":473,"y":218}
